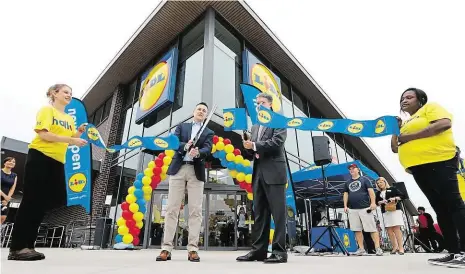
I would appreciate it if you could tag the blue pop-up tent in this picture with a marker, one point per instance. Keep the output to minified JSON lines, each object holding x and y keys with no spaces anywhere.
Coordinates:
{"x":308,"y":182}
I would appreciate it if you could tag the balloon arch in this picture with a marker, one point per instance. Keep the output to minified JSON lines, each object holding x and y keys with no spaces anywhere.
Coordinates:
{"x":134,"y":208}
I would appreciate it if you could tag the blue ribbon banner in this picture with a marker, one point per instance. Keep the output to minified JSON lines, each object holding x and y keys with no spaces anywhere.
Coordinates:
{"x":152,"y":143}
{"x":382,"y":126}
{"x":78,"y":168}
{"x":234,"y":119}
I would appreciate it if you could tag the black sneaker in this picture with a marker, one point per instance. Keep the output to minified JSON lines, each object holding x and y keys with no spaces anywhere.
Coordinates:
{"x":439,"y":261}
{"x":25,"y":256}
{"x":457,"y":262}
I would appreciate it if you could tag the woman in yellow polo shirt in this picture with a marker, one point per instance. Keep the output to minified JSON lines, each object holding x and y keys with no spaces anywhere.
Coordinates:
{"x":427,"y":150}
{"x":44,"y":177}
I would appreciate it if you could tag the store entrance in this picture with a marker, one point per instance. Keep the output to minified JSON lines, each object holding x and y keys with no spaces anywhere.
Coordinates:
{"x":226,"y":225}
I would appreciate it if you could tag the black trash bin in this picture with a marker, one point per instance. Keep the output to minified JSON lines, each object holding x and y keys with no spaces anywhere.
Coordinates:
{"x":102,"y":232}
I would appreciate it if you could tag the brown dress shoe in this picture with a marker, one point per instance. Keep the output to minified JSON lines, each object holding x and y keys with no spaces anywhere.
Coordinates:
{"x":193,"y":256}
{"x":164,"y":256}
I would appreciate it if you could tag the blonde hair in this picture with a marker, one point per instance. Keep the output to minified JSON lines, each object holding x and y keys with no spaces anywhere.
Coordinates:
{"x":54,"y":89}
{"x":385,"y":182}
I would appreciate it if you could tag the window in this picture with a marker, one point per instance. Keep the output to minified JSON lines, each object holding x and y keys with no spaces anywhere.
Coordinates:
{"x":98,"y":115}
{"x":285,"y":90}
{"x":225,"y":81}
{"x":129,"y":94}
{"x":226,"y":38}
{"x":192,"y":41}
{"x":107,"y":108}
{"x":158,"y":123}
{"x":300,"y":102}
{"x":188,"y":87}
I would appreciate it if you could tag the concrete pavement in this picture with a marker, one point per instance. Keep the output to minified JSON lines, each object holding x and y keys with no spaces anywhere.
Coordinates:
{"x":76,"y":261}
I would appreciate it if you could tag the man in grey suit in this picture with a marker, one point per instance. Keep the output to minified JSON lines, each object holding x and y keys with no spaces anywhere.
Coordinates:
{"x":269,"y":189}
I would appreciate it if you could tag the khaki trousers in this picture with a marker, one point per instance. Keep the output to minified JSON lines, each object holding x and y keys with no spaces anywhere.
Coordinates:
{"x":184,"y":179}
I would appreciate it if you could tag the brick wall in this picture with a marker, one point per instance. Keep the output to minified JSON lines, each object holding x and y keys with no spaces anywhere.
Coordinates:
{"x":111,"y":134}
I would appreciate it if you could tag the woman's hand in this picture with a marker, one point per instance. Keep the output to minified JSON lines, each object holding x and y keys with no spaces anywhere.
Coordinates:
{"x":82,"y":128}
{"x":399,"y":121}
{"x":404,"y":138}
{"x":78,"y":142}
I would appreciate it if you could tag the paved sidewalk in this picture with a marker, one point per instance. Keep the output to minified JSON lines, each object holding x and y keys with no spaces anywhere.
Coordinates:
{"x":76,"y":261}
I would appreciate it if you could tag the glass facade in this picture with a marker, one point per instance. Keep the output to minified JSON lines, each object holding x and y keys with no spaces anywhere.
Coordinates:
{"x":223,"y":225}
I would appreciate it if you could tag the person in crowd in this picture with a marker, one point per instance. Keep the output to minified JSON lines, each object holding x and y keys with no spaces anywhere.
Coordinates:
{"x":187,"y":172}
{"x":388,"y":198}
{"x":44,"y":174}
{"x":427,"y":150}
{"x":269,"y":189}
{"x":242,"y":226}
{"x":8,"y":185}
{"x":426,"y":229}
{"x":359,"y":203}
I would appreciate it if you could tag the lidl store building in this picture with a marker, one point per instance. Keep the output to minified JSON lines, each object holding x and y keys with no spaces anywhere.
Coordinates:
{"x":210,"y":44}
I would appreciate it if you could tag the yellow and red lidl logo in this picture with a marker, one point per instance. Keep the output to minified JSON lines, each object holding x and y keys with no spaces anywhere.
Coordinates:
{"x":263,"y":79}
{"x":326,"y":125}
{"x":77,"y":182}
{"x":93,"y":134}
{"x":355,"y":128}
{"x":228,"y":119}
{"x":153,"y":86}
{"x":346,"y":240}
{"x":295,"y":122}
{"x":160,"y":142}
{"x":264,"y":117}
{"x":134,"y":142}
{"x":380,"y":127}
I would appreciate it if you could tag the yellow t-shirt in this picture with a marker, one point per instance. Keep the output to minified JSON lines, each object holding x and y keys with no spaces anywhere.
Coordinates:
{"x":437,"y":148}
{"x":54,"y":121}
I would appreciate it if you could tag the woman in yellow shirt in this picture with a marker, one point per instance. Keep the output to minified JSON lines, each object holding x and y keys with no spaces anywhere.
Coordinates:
{"x":427,"y":150}
{"x":44,"y":175}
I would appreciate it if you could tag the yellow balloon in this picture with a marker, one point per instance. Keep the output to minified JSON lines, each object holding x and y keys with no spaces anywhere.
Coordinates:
{"x":286,"y":185}
{"x":238,"y":159}
{"x":121,"y":222}
{"x":230,"y":157}
{"x":229,"y":148}
{"x":163,"y":176}
{"x":131,"y":198}
{"x":164,"y":169}
{"x":139,"y":225}
{"x":147,"y":189}
{"x":233,"y":173}
{"x":138,"y":216}
{"x":148,"y":172}
{"x":146,"y":180}
{"x":250,"y":196}
{"x":134,"y":207}
{"x":213,"y":148}
{"x":220,"y":139}
{"x":248,"y":178}
{"x":246,"y":163}
{"x":169,"y":153}
{"x":151,"y":164}
{"x":131,"y":190}
{"x":220,"y":145}
{"x":127,"y":239}
{"x":123,"y":230}
{"x":240,"y":176}
{"x":147,"y":197}
{"x":167,"y":160}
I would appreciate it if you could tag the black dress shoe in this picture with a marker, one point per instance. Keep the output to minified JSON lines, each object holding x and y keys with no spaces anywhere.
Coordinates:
{"x":276,"y":259}
{"x":251,"y":256}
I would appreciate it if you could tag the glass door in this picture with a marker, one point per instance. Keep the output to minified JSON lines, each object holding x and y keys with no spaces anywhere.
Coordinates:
{"x":222,"y":221}
{"x":245,"y":221}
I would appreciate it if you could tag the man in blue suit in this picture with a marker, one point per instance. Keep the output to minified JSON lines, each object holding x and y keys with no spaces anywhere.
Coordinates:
{"x":187,"y":171}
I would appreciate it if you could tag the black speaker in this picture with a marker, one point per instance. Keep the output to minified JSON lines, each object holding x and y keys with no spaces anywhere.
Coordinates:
{"x":401,"y":187}
{"x":321,"y":152}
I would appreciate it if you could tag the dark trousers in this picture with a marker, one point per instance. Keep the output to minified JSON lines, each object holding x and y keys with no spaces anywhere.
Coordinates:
{"x":439,"y":183}
{"x":44,"y":189}
{"x":269,"y":200}
{"x":427,"y":236}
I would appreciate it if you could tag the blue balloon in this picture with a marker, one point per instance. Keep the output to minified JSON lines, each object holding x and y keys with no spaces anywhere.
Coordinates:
{"x":138,"y":193}
{"x":138,"y":184}
{"x":231,"y":166}
{"x":142,"y":209}
{"x":140,"y":202}
{"x":140,"y":176}
{"x":240,"y":168}
{"x":248,"y":170}
{"x":222,"y":154}
{"x":224,"y":163}
{"x":119,"y":238}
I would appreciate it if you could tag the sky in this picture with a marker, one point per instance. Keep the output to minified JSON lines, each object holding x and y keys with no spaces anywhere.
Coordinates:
{"x":362,"y":53}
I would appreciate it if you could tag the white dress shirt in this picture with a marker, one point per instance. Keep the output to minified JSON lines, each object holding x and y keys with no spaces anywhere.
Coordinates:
{"x":195,"y":128}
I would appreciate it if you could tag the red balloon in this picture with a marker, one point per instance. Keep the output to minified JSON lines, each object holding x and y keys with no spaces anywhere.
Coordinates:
{"x":242,"y":185}
{"x":215,"y":139}
{"x":134,"y":231}
{"x":158,"y":162}
{"x":226,"y":141}
{"x":130,"y":223}
{"x":156,"y":170}
{"x":127,"y":215}
{"x":248,"y":188}
{"x":237,"y":152}
{"x":124,"y":206}
{"x":156,"y":179}
{"x":135,"y":240}
{"x":161,"y":155}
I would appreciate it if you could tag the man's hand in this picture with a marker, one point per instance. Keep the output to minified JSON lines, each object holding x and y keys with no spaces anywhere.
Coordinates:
{"x":248,"y":144}
{"x":346,"y":209}
{"x":8,"y":198}
{"x":4,"y":202}
{"x":188,"y":144}
{"x":373,"y":207}
{"x":194,"y":152}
